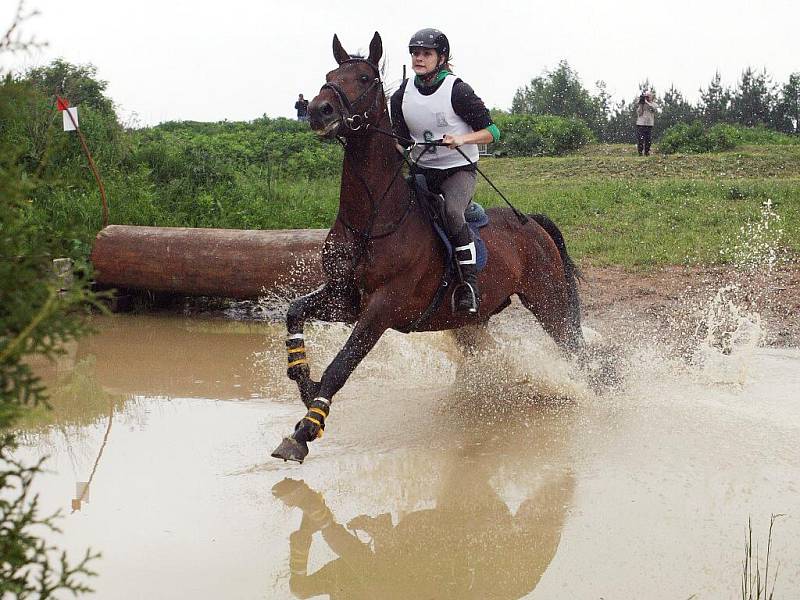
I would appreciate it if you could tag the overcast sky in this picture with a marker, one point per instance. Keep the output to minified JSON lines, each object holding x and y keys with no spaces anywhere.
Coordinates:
{"x":237,"y":60}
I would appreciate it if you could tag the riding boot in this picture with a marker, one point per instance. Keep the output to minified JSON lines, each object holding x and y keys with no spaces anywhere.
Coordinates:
{"x":466,"y":296}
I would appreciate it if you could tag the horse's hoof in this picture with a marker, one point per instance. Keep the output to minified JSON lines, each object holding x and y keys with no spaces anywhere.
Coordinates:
{"x":291,"y":449}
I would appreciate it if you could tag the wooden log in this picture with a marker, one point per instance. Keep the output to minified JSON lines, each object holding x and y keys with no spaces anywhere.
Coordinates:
{"x":230,"y":263}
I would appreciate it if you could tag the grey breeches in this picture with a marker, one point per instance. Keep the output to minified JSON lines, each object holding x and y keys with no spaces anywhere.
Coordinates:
{"x":457,"y":190}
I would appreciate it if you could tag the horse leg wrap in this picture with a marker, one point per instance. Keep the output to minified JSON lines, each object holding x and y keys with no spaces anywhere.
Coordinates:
{"x":298,"y":362}
{"x":314,"y":421}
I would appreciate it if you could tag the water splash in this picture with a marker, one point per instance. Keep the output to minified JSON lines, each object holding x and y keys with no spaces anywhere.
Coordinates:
{"x":728,"y":337}
{"x":758,"y":247}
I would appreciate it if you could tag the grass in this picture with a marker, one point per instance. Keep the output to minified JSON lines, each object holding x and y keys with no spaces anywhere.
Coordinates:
{"x":756,"y":586}
{"x":618,"y":208}
{"x":614,"y":207}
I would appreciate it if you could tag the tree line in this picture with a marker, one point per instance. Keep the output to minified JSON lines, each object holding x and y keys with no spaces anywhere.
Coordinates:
{"x":755,"y":101}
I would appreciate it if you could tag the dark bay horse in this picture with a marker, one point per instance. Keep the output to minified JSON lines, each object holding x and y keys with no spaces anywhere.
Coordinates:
{"x":383,"y":262}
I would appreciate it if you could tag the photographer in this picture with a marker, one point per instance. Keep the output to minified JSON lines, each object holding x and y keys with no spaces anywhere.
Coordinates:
{"x":645,"y":119}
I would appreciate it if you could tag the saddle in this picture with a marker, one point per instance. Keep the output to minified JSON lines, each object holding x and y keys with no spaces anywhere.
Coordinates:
{"x":474,"y":215}
{"x":476,"y":218}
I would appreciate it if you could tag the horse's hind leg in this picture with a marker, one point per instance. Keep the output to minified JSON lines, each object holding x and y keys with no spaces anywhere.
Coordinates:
{"x":557,"y":319}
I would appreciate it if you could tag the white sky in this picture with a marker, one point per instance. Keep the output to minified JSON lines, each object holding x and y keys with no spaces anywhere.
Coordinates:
{"x":237,"y":60}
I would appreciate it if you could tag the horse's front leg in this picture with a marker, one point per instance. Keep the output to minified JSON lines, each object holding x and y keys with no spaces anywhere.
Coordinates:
{"x":367,"y":332}
{"x":328,"y":303}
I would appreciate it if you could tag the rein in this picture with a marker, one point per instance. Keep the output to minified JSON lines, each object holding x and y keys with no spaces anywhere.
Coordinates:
{"x":355,"y":121}
{"x":411,"y":144}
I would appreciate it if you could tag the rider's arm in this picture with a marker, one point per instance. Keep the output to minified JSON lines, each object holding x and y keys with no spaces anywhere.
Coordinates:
{"x":468,"y":105}
{"x":484,"y":136}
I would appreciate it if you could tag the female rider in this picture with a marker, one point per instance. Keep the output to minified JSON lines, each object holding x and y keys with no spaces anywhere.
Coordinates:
{"x":440,"y":106}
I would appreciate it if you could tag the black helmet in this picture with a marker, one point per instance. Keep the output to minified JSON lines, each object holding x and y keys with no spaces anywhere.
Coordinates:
{"x":430,"y":38}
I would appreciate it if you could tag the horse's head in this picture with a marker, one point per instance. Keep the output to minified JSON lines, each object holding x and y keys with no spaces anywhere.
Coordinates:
{"x":352,"y":97}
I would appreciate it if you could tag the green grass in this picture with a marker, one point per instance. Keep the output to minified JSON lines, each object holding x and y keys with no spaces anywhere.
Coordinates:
{"x":618,"y":208}
{"x":615,"y":208}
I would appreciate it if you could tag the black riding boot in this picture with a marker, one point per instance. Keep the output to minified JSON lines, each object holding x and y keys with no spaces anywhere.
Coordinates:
{"x":466,"y":297}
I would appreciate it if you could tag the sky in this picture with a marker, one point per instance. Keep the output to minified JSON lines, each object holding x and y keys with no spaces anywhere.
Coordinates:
{"x":238,"y":60}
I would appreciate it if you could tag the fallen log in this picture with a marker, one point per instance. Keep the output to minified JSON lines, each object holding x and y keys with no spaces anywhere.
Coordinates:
{"x":230,"y":263}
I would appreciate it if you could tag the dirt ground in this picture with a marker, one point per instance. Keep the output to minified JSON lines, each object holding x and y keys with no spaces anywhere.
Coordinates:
{"x":674,"y":298}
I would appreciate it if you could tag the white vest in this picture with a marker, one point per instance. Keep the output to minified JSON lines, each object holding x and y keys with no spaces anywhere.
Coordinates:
{"x":428,"y":118}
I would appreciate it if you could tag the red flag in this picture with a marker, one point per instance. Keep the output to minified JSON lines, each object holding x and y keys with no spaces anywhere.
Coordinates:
{"x":62,"y":103}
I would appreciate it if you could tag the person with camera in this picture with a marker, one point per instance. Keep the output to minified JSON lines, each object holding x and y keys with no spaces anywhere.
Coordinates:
{"x":301,"y":106}
{"x":645,"y":119}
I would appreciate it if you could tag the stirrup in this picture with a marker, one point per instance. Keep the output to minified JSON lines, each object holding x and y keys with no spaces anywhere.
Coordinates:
{"x":473,"y":297}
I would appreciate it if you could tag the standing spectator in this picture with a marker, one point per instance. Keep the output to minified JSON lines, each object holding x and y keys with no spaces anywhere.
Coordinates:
{"x":645,"y":119}
{"x":301,"y":106}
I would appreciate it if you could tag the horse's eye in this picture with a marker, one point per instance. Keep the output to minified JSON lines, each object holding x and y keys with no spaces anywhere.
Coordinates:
{"x":364,"y":78}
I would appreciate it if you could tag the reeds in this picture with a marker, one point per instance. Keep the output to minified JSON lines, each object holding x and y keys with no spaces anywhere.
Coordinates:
{"x":754,"y":586}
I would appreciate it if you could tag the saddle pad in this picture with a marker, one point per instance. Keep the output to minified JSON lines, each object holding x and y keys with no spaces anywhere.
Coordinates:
{"x":474,"y":215}
{"x":478,"y":218}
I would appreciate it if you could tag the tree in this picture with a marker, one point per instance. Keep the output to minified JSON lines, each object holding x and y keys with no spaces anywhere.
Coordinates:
{"x":36,"y":318}
{"x":674,"y":109}
{"x":561,"y":93}
{"x":620,"y":125}
{"x":753,"y":99}
{"x":715,"y":102}
{"x":78,"y":83}
{"x":787,"y":110}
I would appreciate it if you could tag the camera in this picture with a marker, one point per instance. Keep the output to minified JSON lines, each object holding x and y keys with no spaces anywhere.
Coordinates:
{"x":641,"y":99}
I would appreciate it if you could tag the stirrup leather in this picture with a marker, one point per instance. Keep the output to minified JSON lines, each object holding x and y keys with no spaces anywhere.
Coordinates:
{"x":473,"y":256}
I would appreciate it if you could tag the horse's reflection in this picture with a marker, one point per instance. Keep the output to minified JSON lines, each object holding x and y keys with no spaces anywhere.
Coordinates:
{"x":470,"y":545}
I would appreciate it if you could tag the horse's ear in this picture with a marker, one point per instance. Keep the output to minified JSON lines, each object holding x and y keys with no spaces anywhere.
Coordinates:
{"x":375,"y":49}
{"x":339,"y":53}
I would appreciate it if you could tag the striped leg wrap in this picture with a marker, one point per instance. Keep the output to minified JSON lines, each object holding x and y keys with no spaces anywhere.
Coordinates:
{"x":318,"y":411}
{"x":295,"y":346}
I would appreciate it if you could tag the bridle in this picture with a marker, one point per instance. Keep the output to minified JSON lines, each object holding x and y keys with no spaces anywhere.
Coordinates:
{"x":352,"y":118}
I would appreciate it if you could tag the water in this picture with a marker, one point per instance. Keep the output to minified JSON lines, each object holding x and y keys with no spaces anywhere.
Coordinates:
{"x":507,"y":478}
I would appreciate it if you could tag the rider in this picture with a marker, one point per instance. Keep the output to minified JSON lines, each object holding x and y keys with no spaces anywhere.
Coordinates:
{"x":440,"y":106}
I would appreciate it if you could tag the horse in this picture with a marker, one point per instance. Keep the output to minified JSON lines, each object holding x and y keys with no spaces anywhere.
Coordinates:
{"x":383,"y":263}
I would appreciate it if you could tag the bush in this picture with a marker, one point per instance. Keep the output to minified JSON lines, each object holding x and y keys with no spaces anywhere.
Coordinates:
{"x":540,"y":135}
{"x":762,"y":135}
{"x":695,"y":137}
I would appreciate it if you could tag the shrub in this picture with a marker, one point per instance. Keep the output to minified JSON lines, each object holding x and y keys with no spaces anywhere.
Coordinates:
{"x":695,"y":137}
{"x":540,"y":135}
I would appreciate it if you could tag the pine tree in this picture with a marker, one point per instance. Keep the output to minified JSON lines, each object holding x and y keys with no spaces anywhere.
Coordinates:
{"x":715,"y":102}
{"x":753,"y":99}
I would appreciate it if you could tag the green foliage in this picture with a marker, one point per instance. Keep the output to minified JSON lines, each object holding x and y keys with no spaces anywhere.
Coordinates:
{"x":561,"y":93}
{"x":754,"y":99}
{"x":30,"y":567}
{"x":618,"y":209}
{"x":697,"y":138}
{"x":715,"y":102}
{"x":786,"y":117}
{"x":673,"y":109}
{"x":227,"y":174}
{"x":77,"y":83}
{"x":36,"y":318}
{"x":543,"y":135}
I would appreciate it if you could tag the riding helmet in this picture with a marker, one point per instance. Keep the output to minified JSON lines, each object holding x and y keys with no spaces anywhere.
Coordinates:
{"x":430,"y":38}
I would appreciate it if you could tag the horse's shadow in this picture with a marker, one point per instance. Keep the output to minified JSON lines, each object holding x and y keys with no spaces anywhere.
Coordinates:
{"x":471,"y":544}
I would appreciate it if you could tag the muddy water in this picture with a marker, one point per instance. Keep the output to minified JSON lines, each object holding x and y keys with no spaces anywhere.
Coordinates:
{"x":509,"y":478}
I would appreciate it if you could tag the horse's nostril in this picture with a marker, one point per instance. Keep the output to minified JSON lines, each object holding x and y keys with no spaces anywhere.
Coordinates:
{"x":327,"y":109}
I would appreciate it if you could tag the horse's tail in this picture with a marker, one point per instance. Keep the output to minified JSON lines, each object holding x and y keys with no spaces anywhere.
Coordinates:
{"x":571,"y":271}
